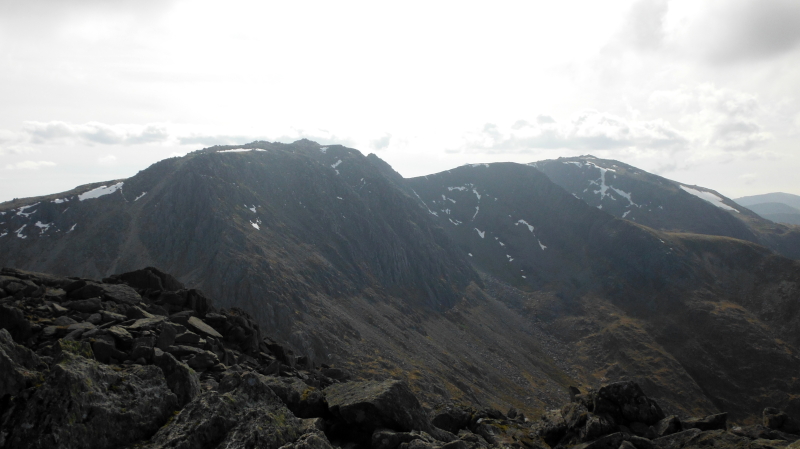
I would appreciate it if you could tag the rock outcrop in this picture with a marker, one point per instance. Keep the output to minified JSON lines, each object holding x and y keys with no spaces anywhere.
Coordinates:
{"x":88,"y":364}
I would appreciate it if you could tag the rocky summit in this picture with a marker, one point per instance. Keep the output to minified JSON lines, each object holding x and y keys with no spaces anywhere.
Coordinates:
{"x":138,"y":360}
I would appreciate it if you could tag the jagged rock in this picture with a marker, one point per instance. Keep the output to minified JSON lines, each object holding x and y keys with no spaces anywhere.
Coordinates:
{"x":85,"y":404}
{"x":202,"y":360}
{"x":181,"y":350}
{"x":182,"y":380}
{"x":109,"y":317}
{"x":121,"y":335}
{"x":676,"y":440}
{"x":64,"y":321}
{"x":105,"y":349}
{"x":371,"y":405}
{"x":773,"y":418}
{"x":244,"y":412}
{"x":667,"y":426}
{"x":202,"y":328}
{"x":143,"y":348}
{"x":167,"y":337}
{"x":757,"y":432}
{"x":553,"y":427}
{"x":13,"y":320}
{"x":452,"y":417}
{"x":304,"y":401}
{"x":150,"y":278}
{"x":121,"y":294}
{"x":389,"y":439}
{"x":314,"y":440}
{"x":625,"y":402}
{"x":20,"y":367}
{"x":710,"y":422}
{"x":147,"y":324}
{"x":91,"y":305}
{"x":172,"y":299}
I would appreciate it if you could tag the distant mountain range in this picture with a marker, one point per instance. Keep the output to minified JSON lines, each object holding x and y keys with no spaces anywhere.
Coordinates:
{"x":478,"y":284}
{"x":778,"y":207}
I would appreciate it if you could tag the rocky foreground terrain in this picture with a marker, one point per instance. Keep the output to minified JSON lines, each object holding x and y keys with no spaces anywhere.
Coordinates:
{"x":138,"y":360}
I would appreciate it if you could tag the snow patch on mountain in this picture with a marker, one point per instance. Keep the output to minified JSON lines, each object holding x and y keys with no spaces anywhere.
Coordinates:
{"x":139,"y":197}
{"x":481,"y":233}
{"x":519,"y":222}
{"x":710,"y":197}
{"x":22,"y":210}
{"x":100,"y":191}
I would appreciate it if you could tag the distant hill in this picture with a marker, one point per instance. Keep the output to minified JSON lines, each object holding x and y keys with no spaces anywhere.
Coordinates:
{"x":775,"y":197}
{"x":778,"y":207}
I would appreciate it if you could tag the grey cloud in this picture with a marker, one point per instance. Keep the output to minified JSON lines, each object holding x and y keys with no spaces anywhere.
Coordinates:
{"x":381,"y":143}
{"x":738,"y":135}
{"x":748,"y":30}
{"x":644,"y":27}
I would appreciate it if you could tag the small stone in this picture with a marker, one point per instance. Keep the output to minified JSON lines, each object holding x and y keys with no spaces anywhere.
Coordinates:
{"x":95,"y":319}
{"x":86,"y":305}
{"x":202,"y":328}
{"x":203,"y":360}
{"x":64,"y":321}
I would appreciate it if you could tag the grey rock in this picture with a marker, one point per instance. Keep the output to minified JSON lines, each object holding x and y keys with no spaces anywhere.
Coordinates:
{"x":182,"y":380}
{"x":197,"y":325}
{"x":314,"y":440}
{"x":19,"y":366}
{"x":104,"y":350}
{"x":12,"y":319}
{"x":304,"y":401}
{"x":676,"y":440}
{"x":143,"y":348}
{"x":121,"y":335}
{"x":91,"y":305}
{"x":147,"y":324}
{"x":203,"y":360}
{"x":452,"y":418}
{"x":64,"y":321}
{"x":167,"y":337}
{"x":84,"y":404}
{"x":371,"y":405}
{"x":181,"y":350}
{"x":243,"y":412}
{"x":109,"y":317}
{"x":667,"y":426}
{"x":710,"y":422}
{"x":121,"y":293}
{"x":625,"y":403}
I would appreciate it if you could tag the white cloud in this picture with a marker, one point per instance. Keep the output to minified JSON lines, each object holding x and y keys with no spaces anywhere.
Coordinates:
{"x":587,"y":130}
{"x":107,"y":160}
{"x":94,"y":133}
{"x":30,"y":165}
{"x":717,"y":118}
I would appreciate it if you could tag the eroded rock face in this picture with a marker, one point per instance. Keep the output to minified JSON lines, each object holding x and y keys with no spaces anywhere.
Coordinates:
{"x":85,"y":404}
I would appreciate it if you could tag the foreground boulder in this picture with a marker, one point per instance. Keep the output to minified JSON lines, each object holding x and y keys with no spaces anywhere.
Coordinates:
{"x":243,"y":413}
{"x":85,"y":404}
{"x":371,"y":405}
{"x":20,"y":368}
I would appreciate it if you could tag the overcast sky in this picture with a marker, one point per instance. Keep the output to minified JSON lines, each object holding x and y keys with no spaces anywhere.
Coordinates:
{"x":705,"y":93}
